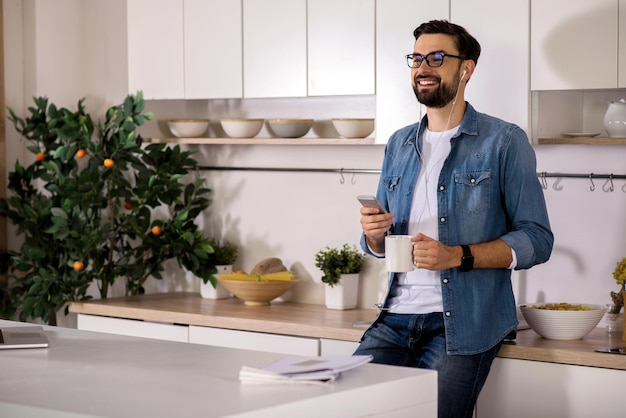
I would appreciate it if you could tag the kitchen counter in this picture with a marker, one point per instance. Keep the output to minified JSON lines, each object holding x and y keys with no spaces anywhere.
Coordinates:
{"x":319,"y":322}
{"x":90,"y":374}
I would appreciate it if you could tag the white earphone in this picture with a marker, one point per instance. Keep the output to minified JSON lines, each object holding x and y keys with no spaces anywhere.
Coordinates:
{"x":463,"y":75}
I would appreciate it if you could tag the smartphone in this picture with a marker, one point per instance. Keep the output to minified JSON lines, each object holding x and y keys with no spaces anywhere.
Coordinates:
{"x":371,"y":202}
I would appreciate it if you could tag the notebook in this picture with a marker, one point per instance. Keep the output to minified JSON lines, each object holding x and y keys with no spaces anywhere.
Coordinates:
{"x":23,"y":337}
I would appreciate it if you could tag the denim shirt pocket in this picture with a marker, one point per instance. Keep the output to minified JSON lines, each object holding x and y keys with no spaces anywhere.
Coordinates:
{"x":472,"y":190}
{"x":390,"y":183}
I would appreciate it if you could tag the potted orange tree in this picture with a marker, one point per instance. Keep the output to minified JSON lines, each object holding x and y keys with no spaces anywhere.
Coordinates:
{"x":98,"y":205}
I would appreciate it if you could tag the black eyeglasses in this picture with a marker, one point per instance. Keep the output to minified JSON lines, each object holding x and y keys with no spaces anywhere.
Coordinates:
{"x":434,"y":59}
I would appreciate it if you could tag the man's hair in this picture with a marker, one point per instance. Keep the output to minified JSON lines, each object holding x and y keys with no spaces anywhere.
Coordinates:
{"x":468,"y":46}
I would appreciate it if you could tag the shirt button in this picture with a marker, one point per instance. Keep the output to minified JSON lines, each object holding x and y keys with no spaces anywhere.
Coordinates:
{"x":473,"y":181}
{"x":448,"y":313}
{"x":442,"y":220}
{"x":445,"y":281}
{"x":442,"y":188}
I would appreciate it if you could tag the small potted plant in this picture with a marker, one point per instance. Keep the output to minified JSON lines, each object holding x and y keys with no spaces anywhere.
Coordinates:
{"x":223,"y":257}
{"x":340,"y":271}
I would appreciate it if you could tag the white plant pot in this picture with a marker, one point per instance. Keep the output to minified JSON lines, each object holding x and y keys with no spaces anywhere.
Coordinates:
{"x":344,"y":294}
{"x":209,"y":292}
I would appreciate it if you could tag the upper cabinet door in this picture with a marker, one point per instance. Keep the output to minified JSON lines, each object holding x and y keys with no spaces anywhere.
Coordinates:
{"x":155,"y":48}
{"x":396,"y":105}
{"x":621,"y":66}
{"x":500,"y":85}
{"x":341,"y":46}
{"x":274,"y":48}
{"x":573,"y":44}
{"x":213,"y":49}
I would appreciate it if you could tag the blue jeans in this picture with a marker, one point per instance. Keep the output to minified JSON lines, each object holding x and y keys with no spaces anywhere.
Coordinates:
{"x":419,"y":341}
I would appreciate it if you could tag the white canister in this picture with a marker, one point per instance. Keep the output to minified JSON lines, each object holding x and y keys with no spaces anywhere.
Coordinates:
{"x":615,"y":119}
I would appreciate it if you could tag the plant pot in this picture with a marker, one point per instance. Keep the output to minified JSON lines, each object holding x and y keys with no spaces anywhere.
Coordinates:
{"x":344,"y":294}
{"x":209,"y":292}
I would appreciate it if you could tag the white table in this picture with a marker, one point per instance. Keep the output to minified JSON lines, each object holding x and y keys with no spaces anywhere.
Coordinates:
{"x":101,"y":375}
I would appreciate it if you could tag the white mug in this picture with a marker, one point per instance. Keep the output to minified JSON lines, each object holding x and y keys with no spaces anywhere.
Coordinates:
{"x":399,"y":253}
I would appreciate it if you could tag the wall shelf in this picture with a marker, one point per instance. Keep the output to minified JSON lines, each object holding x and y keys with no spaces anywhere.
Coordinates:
{"x":584,"y":140}
{"x":265,"y":141}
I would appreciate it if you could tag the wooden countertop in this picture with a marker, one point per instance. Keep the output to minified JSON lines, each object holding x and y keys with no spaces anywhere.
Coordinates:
{"x":317,"y":321}
{"x":299,"y":319}
{"x":530,"y":346}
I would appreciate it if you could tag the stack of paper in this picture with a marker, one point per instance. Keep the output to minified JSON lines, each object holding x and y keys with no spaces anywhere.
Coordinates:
{"x":299,"y":369}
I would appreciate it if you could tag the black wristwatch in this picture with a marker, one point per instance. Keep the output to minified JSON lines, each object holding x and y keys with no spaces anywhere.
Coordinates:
{"x":467,"y":261}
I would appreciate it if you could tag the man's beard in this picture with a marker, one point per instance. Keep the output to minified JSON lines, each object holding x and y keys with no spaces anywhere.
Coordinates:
{"x":438,"y":98}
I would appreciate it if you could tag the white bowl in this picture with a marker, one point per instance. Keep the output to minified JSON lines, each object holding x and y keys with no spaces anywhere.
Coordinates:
{"x":290,"y":128}
{"x":188,"y":128}
{"x":562,"y":324}
{"x":354,"y":128}
{"x":242,"y":128}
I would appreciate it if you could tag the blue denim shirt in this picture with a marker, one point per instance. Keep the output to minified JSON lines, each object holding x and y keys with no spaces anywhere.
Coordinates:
{"x":488,"y":189}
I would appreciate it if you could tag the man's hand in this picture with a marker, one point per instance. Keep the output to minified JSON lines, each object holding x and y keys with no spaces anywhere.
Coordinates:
{"x":430,"y":254}
{"x":375,"y":226}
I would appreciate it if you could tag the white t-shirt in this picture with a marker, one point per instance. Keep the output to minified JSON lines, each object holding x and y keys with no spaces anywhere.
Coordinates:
{"x":419,"y":291}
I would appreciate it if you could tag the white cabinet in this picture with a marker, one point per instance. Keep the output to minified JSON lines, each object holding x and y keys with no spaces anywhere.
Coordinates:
{"x":396,"y":105}
{"x":574,"y":44}
{"x":500,"y":85}
{"x":133,"y":328}
{"x":155,"y":48}
{"x":274,"y":48}
{"x":213,"y":49}
{"x":522,"y":388}
{"x":341,"y":35}
{"x":184,"y":49}
{"x":299,"y":48}
{"x":257,"y":341}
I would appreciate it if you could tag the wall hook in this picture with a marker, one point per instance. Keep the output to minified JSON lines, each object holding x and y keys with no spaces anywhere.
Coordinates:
{"x":556,"y":186}
{"x":608,"y":183}
{"x":341,"y":180}
{"x":624,"y":188}
{"x":353,"y":179}
{"x":592,"y":187}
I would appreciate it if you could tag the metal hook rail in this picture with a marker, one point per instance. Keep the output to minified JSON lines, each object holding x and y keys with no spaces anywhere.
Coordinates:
{"x":608,"y":186}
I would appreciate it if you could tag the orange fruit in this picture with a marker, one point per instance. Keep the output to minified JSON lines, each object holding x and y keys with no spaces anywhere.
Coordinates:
{"x":40,"y":156}
{"x":156,"y":230}
{"x":108,"y":163}
{"x":80,"y":153}
{"x":78,"y":265}
{"x":128,"y":206}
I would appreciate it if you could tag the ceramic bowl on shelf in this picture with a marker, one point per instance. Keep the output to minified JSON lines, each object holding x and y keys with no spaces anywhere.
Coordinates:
{"x":354,"y":127}
{"x":257,"y":293}
{"x":188,"y":128}
{"x":290,"y":128}
{"x":562,"y":321}
{"x":241,"y":127}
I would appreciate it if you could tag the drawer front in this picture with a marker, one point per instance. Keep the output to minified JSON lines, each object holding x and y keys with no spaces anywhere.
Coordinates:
{"x":133,"y":328}
{"x":337,"y":347}
{"x":257,"y":341}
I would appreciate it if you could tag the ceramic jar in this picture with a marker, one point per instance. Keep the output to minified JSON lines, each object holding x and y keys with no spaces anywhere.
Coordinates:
{"x":615,"y":119}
